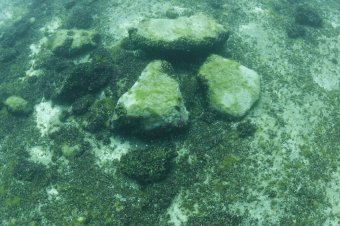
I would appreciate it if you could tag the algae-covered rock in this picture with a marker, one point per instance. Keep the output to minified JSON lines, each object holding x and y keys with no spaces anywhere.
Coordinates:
{"x":183,"y":35}
{"x":71,"y":151}
{"x":70,"y":43}
{"x":99,"y":115}
{"x":232,"y":88}
{"x":147,"y":165}
{"x":8,"y":54}
{"x":154,"y":102}
{"x":17,"y":105}
{"x":83,"y":79}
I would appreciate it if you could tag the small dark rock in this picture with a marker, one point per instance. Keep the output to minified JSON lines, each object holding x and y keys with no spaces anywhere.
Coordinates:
{"x":17,"y":31}
{"x":64,"y":116}
{"x":171,"y":13}
{"x":83,"y":79}
{"x":127,"y":44}
{"x":246,"y":129}
{"x":70,"y":4}
{"x":216,"y":4}
{"x":32,"y":79}
{"x":99,"y":115}
{"x":80,"y":18}
{"x":56,"y":63}
{"x":81,"y":105}
{"x":8,"y":54}
{"x":148,"y":165}
{"x":29,"y":171}
{"x":308,"y":17}
{"x":295,"y":31}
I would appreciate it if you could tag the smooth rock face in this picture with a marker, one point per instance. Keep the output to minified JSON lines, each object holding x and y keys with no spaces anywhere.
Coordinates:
{"x":184,"y":35}
{"x":17,"y":105}
{"x":69,"y":43}
{"x":154,"y":102}
{"x":232,"y":88}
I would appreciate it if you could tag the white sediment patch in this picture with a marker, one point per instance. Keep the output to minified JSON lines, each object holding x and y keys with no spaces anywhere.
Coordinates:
{"x":4,"y":16}
{"x":35,"y":50}
{"x":40,"y":154}
{"x":106,"y":154}
{"x":52,"y":194}
{"x":47,"y":116}
{"x":37,"y":47}
{"x":178,"y":215}
{"x":52,"y":26}
{"x":332,"y":192}
{"x":324,"y":72}
{"x":11,"y":11}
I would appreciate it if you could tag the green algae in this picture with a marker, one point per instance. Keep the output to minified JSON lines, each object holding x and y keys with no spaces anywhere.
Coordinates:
{"x":239,"y":169}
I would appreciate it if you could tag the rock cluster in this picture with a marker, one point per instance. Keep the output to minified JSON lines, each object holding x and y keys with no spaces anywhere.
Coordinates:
{"x":155,"y":103}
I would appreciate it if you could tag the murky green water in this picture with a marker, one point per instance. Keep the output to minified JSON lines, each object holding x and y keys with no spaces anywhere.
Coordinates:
{"x":217,"y":112}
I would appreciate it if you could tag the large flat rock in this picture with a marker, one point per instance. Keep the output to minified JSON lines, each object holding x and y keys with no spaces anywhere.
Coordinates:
{"x":182,"y":36}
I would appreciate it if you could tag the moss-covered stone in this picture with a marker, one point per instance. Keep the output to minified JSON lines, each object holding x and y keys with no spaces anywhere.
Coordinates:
{"x":81,"y":18}
{"x":147,"y":165}
{"x":154,"y":102}
{"x":69,"y":141}
{"x":16,"y":32}
{"x":71,"y":151}
{"x":17,"y":105}
{"x":70,"y":43}
{"x":83,"y":79}
{"x":25,"y":170}
{"x":308,"y":16}
{"x":295,"y":31}
{"x":246,"y":129}
{"x":81,"y":105}
{"x":232,"y":89}
{"x":8,"y":54}
{"x":99,"y":115}
{"x":180,"y":36}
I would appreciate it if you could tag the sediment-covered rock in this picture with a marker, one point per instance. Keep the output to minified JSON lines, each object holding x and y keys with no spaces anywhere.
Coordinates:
{"x":82,"y":79}
{"x":232,"y":88}
{"x":70,"y":43}
{"x":17,"y":105}
{"x":147,"y":165}
{"x":153,"y":103}
{"x":181,"y":36}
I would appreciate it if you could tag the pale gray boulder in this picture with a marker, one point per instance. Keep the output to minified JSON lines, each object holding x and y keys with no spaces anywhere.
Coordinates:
{"x":153,"y":103}
{"x":232,"y":88}
{"x":181,"y":36}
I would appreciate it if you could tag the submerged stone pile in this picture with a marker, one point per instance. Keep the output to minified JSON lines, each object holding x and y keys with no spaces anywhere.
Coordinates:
{"x":155,"y":102}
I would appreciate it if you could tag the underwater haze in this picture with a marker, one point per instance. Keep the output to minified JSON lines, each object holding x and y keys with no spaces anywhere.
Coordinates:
{"x":170,"y":112}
